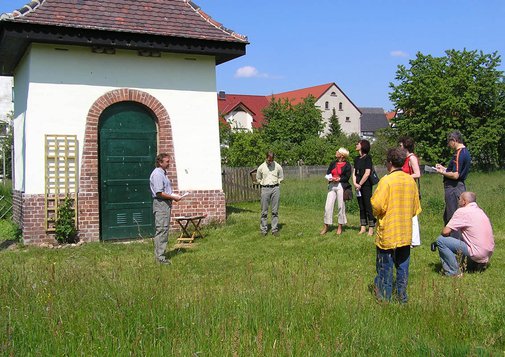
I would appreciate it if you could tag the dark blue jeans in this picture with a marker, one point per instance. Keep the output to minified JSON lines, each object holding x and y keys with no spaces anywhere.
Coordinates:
{"x":386,"y":259}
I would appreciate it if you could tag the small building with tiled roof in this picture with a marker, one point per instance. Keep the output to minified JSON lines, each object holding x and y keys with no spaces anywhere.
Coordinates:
{"x":101,"y":87}
{"x":246,"y":111}
{"x":372,"y":119}
{"x":242,"y":112}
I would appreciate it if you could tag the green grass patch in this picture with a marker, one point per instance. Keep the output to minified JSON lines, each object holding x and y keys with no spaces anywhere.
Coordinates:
{"x":237,"y":293}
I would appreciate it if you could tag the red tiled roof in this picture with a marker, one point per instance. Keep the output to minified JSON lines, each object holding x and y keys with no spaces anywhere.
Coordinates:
{"x":253,"y":103}
{"x":177,"y":18}
{"x":390,"y":115}
{"x":297,"y":96}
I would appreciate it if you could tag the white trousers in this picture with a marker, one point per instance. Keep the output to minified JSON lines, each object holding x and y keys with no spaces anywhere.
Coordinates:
{"x":416,"y":235}
{"x":335,"y":193}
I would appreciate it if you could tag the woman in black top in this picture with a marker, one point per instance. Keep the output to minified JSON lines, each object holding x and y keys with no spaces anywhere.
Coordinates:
{"x":362,"y":169}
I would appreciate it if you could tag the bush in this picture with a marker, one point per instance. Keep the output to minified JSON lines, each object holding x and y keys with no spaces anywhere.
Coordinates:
{"x":65,"y":223}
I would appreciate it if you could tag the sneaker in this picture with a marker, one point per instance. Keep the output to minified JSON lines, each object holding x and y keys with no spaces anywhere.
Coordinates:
{"x":275,"y":234}
{"x":165,"y":261}
{"x":263,"y":234}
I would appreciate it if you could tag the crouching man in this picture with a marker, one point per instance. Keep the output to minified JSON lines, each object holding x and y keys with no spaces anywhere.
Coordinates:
{"x":394,"y":203}
{"x":477,"y":241}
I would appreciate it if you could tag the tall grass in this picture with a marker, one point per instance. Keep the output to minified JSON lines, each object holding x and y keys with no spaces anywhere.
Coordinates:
{"x":236,"y":293}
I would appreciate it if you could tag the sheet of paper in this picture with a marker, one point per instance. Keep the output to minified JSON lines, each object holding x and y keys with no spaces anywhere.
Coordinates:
{"x":428,"y":168}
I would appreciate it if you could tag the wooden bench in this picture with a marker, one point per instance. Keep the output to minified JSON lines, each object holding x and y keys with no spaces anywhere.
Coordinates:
{"x":190,"y":228}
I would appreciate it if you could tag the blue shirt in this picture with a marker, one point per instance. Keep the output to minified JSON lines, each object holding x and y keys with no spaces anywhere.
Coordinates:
{"x":460,"y":163}
{"x":159,"y":182}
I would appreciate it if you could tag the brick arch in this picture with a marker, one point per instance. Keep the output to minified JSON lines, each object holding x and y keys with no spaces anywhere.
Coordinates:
{"x":89,"y":209}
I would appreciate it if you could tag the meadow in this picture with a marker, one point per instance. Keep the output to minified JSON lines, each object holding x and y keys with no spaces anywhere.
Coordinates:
{"x":237,"y":293}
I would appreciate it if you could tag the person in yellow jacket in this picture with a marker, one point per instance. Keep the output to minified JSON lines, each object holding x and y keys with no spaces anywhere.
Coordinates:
{"x":394,"y":203}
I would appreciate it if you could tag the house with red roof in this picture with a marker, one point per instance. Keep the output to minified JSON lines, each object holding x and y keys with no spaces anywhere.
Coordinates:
{"x":100,"y":88}
{"x":244,"y":112}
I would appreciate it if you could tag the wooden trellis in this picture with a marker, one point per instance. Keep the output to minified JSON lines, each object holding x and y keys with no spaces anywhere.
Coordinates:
{"x":61,"y":180}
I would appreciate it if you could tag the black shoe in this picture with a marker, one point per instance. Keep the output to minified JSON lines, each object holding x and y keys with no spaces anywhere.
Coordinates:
{"x":165,"y":261}
{"x":433,"y":246}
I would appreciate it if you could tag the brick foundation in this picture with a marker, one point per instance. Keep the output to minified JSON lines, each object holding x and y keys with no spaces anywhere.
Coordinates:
{"x":28,"y":210}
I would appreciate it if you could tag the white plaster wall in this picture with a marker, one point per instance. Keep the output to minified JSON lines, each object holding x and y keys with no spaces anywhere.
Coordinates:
{"x":65,"y":82}
{"x":348,"y":110}
{"x":20,"y":110}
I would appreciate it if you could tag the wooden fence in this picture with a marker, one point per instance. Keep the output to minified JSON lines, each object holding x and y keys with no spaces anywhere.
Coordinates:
{"x":239,"y":183}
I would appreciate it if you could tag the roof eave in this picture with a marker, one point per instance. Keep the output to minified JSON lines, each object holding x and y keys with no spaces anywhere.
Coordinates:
{"x":16,"y":37}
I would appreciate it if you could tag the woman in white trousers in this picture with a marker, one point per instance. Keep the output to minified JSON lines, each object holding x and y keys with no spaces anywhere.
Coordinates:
{"x":338,"y":175}
{"x":411,"y":167}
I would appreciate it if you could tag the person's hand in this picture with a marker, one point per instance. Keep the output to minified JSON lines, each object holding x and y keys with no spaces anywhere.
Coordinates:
{"x":176,"y":197}
{"x":357,"y":186}
{"x":440,"y":168}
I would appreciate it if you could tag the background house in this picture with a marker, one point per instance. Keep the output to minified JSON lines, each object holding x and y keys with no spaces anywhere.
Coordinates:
{"x":372,"y":119}
{"x":244,"y":112}
{"x":101,"y":87}
{"x":6,"y":105}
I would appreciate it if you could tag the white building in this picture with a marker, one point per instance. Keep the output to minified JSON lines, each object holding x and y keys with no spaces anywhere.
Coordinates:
{"x":244,"y":112}
{"x":99,"y":89}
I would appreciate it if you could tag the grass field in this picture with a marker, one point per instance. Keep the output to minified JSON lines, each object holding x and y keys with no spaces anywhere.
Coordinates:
{"x":236,"y":293}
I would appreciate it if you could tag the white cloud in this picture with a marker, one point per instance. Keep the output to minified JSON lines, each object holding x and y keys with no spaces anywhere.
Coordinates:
{"x":249,"y":72}
{"x":399,"y":53}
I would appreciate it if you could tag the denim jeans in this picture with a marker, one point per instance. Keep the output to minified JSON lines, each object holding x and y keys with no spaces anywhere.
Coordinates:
{"x":386,"y":259}
{"x":448,"y":248}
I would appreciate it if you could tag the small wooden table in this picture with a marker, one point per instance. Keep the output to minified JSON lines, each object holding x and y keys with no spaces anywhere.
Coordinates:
{"x":190,"y":226}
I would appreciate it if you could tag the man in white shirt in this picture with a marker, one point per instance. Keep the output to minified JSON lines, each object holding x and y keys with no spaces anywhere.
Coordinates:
{"x":269,"y":175}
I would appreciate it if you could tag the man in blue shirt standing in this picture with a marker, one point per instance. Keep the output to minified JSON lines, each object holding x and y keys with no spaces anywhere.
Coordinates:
{"x":161,"y":190}
{"x":454,"y":174}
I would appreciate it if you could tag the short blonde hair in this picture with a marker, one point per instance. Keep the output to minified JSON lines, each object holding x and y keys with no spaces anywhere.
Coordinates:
{"x":344,"y":152}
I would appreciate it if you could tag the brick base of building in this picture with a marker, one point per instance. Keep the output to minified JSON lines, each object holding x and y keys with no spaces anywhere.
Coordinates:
{"x":29,"y":214}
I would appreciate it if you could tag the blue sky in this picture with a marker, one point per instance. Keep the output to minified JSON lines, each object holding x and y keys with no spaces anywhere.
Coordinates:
{"x":357,"y":44}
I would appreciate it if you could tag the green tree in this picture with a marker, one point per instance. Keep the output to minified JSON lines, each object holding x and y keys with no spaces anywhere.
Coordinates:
{"x":246,"y":149}
{"x":335,"y":129}
{"x":462,"y":90}
{"x":6,"y":142}
{"x":225,"y":136}
{"x":385,"y":139}
{"x":290,"y":123}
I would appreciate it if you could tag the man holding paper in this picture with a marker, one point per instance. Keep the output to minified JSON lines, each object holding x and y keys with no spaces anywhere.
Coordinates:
{"x":455,"y":173}
{"x":161,"y":190}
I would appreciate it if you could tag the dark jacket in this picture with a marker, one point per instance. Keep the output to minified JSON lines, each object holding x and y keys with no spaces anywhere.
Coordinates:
{"x":345,"y":176}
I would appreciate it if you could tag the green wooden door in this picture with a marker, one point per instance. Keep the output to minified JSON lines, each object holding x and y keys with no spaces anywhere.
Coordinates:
{"x":127,"y":149}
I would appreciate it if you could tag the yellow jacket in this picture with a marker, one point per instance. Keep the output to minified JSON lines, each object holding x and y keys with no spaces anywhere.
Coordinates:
{"x":394,"y":203}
